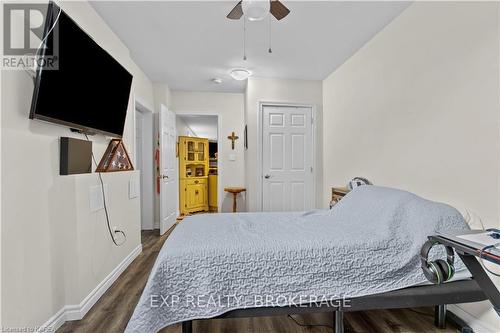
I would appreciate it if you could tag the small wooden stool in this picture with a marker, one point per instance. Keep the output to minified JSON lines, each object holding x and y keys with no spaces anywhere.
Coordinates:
{"x":235,"y":191}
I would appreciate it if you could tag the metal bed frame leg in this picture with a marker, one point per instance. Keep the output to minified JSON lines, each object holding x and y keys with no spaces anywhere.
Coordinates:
{"x":440,"y":316}
{"x":187,"y":326}
{"x":338,"y":323}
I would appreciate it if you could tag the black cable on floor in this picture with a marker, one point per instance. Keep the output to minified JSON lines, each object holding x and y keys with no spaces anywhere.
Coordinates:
{"x":308,"y":325}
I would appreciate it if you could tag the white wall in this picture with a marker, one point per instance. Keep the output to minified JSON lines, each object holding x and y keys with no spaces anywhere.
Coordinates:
{"x":230,"y":108}
{"x":182,"y":128}
{"x":162,"y":95}
{"x":54,"y":251}
{"x":417,"y":108}
{"x":202,"y":126}
{"x":144,"y":149}
{"x":1,"y":200}
{"x":277,"y":91}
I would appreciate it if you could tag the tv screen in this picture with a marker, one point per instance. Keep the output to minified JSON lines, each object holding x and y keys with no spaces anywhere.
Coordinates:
{"x":88,"y":90}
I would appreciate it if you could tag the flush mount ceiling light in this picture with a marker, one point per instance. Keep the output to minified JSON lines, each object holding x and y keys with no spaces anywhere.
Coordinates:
{"x":240,"y":74}
{"x":256,"y":10}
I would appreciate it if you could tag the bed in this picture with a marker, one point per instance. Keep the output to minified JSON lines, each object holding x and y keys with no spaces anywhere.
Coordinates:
{"x":365,"y":250}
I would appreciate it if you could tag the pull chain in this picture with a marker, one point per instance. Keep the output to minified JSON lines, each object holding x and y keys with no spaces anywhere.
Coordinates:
{"x":244,"y":38}
{"x":270,"y":48}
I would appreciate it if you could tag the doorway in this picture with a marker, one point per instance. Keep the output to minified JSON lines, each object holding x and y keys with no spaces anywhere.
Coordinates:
{"x":199,"y":168}
{"x":287,"y":158}
{"x":168,"y":176}
{"x":144,"y":150}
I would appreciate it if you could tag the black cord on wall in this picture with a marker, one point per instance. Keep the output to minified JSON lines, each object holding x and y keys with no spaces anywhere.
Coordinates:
{"x":117,"y":231}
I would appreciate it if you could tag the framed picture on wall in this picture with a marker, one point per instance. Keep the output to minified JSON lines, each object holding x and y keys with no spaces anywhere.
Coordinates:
{"x":245,"y":138}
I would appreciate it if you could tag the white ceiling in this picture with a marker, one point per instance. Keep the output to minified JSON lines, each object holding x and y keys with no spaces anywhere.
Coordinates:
{"x":186,"y":44}
{"x":202,"y":126}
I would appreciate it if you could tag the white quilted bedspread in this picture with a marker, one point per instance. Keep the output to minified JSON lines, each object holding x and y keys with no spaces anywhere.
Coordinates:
{"x":213,"y":263}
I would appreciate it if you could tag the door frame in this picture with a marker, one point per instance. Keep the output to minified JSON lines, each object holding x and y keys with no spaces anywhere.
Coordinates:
{"x":147,"y":111}
{"x":220,"y":191}
{"x":260,"y":151}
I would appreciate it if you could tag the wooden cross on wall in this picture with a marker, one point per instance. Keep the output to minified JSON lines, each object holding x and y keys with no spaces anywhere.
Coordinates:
{"x":233,"y":138}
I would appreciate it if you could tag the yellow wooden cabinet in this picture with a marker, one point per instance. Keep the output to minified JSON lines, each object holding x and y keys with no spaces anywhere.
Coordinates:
{"x":212,"y":192}
{"x":194,"y":195}
{"x":193,"y":174}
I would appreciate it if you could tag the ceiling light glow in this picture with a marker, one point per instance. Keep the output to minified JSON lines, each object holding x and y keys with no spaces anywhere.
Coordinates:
{"x":240,"y":74}
{"x":256,"y":10}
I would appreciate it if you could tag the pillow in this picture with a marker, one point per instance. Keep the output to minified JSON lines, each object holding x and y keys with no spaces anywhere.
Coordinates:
{"x":471,"y":218}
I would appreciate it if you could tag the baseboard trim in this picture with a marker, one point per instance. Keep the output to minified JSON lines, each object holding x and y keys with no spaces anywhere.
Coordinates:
{"x":477,"y":325}
{"x":54,"y":322}
{"x":78,"y":311}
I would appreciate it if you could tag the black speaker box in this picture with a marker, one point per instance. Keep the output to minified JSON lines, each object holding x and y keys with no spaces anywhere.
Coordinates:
{"x":76,"y":156}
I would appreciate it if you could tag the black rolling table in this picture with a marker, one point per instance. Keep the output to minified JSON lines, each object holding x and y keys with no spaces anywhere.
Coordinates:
{"x":468,"y":255}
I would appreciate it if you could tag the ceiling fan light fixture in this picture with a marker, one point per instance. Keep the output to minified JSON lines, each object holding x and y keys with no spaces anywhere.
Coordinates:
{"x":240,"y":74}
{"x":256,"y":10}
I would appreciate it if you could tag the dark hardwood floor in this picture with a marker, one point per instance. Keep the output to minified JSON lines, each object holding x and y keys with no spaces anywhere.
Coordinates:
{"x":112,"y":312}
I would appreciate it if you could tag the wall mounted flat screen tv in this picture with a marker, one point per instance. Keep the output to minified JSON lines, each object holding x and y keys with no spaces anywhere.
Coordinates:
{"x":89,"y":90}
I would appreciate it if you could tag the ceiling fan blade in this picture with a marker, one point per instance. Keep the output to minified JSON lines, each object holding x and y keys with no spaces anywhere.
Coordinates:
{"x":236,"y":13}
{"x":278,"y":9}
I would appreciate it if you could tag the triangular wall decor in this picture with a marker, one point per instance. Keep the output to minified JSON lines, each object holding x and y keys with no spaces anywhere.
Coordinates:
{"x":115,"y":158}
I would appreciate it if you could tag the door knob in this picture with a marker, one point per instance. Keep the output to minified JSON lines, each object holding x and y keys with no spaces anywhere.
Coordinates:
{"x":164,"y":177}
{"x":267,"y":176}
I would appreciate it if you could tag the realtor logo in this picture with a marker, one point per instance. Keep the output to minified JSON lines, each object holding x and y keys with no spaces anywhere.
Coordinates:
{"x":24,"y":45}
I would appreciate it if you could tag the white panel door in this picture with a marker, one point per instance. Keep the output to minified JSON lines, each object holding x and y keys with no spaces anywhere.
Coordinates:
{"x":168,"y":171}
{"x":287,"y":159}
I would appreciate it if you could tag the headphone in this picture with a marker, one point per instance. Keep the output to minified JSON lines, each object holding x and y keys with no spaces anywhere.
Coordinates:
{"x":438,"y":271}
{"x":358,"y":181}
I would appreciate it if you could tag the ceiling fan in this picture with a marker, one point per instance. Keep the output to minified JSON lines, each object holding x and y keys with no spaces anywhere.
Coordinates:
{"x":256,"y":10}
